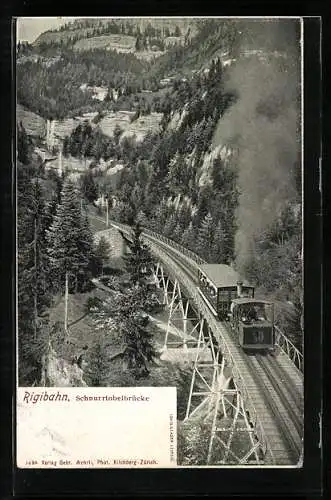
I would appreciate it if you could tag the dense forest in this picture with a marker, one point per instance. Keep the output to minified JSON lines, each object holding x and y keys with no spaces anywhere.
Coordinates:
{"x":219,"y":174}
{"x":179,"y":180}
{"x":57,"y":257}
{"x":49,"y":84}
{"x":178,"y":185}
{"x":53,"y":91}
{"x":147,"y":31}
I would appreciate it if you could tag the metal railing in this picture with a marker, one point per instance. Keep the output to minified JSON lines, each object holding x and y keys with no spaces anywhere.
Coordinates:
{"x":226,"y":350}
{"x":281,"y":340}
{"x":176,"y":245}
{"x":165,"y":239}
{"x":289,"y":349}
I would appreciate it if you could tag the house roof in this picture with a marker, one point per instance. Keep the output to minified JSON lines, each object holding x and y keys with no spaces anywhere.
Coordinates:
{"x":222,"y":275}
{"x":246,"y":300}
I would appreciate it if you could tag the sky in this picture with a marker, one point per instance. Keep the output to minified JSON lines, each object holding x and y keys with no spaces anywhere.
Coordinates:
{"x":29,"y":28}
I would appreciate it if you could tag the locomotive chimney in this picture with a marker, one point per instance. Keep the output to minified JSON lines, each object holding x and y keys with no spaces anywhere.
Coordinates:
{"x":239,"y":288}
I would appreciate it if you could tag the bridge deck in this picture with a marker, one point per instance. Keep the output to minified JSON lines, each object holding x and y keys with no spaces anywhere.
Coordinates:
{"x":262,"y":398}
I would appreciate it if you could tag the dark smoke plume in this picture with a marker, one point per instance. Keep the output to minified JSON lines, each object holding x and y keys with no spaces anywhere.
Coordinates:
{"x":264,"y":127}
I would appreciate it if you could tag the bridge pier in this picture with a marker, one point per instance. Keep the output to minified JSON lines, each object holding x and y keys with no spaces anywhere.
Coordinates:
{"x":222,"y":385}
{"x":213,"y":397}
{"x":232,"y":435}
{"x":180,"y":315}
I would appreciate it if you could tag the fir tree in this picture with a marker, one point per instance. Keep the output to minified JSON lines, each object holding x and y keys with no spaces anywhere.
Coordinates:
{"x":138,"y":262}
{"x":170,"y":226}
{"x":87,"y":250}
{"x":139,"y":349}
{"x":142,"y":219}
{"x":34,"y":293}
{"x":89,"y":187}
{"x":126,"y":321}
{"x":189,"y":238}
{"x":177,"y":233}
{"x":219,"y":251}
{"x":206,"y":237}
{"x":34,"y":289}
{"x":98,"y":363}
{"x":101,"y":253}
{"x":69,"y":245}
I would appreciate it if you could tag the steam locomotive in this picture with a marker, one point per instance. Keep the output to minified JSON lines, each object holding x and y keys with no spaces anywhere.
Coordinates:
{"x":230,"y":298}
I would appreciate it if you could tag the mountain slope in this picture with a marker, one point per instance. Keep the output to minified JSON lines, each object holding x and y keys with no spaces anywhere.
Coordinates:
{"x":156,"y":31}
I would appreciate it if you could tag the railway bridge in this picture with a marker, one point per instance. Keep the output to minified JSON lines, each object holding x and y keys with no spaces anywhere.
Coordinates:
{"x":253,"y":404}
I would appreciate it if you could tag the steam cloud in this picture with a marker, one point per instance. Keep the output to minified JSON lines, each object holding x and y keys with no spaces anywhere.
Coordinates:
{"x":264,"y":127}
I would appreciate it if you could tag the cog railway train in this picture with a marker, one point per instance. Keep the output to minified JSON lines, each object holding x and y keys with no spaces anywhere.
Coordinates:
{"x":231,"y":298}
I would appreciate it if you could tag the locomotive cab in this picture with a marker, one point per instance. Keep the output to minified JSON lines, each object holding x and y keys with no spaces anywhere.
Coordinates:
{"x":252,"y":321}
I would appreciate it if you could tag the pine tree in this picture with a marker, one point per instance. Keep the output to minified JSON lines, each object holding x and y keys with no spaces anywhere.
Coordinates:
{"x":89,"y":187}
{"x":219,"y":251}
{"x":206,"y":237}
{"x":34,"y":289}
{"x":170,"y":226}
{"x":189,"y":238}
{"x":127,"y":322}
{"x":177,"y":177}
{"x":34,"y":293}
{"x":69,"y":244}
{"x":98,"y":363}
{"x":177,"y":233}
{"x":139,"y":349}
{"x":138,"y":262}
{"x":142,"y":219}
{"x":87,"y":249}
{"x":101,"y":253}
{"x":184,"y":215}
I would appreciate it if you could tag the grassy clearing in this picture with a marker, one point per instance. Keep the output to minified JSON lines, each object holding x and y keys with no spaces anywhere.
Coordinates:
{"x":121,"y":43}
{"x":81,"y":326}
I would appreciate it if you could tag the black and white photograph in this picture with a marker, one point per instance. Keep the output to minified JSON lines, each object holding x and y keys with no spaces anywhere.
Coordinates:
{"x":159,"y":230}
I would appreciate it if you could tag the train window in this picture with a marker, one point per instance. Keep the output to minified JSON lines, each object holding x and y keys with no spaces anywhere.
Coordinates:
{"x":253,"y":312}
{"x":248,"y":292}
{"x":260,"y":312}
{"x":223,"y":295}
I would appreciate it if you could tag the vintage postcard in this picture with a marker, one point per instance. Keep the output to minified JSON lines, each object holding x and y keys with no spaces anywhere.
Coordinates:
{"x":159,"y":242}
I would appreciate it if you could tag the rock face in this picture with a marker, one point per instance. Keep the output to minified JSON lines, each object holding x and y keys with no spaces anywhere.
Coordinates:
{"x":59,"y":373}
{"x":115,"y":240}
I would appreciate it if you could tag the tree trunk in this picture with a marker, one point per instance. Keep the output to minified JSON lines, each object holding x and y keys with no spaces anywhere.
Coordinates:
{"x":66,"y":297}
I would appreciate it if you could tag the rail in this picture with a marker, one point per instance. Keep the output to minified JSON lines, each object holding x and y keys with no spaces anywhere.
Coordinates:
{"x":195,"y":257}
{"x":289,"y":349}
{"x":237,"y":376}
{"x":226,"y":351}
{"x":273,"y":405}
{"x":281,"y":340}
{"x":176,"y":245}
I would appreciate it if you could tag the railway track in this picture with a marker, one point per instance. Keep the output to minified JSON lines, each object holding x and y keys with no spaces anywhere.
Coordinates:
{"x":294,"y":395}
{"x":280,"y":401}
{"x":277,"y":402}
